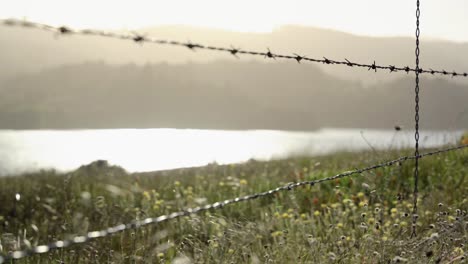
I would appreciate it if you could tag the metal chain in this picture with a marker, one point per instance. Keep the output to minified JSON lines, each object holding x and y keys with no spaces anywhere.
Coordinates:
{"x":217,"y":205}
{"x":416,"y":119}
{"x":138,"y":38}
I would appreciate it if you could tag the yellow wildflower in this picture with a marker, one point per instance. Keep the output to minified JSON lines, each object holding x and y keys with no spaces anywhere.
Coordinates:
{"x":276,"y":233}
{"x":458,"y":251}
{"x":147,"y":195}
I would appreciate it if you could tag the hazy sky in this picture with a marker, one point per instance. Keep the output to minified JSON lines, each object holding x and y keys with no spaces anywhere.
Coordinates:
{"x":445,"y":19}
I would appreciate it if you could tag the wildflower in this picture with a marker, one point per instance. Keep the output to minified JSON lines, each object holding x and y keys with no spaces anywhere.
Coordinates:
{"x":285,"y":215}
{"x":363,"y":215}
{"x":243,"y":182}
{"x":458,"y":251}
{"x":362,"y":204}
{"x":317,"y":213}
{"x":147,"y":195}
{"x":360,"y":194}
{"x":371,"y":221}
{"x":303,"y":216}
{"x":451,"y":218}
{"x":276,"y":233}
{"x":377,"y":210}
{"x":230,"y":251}
{"x":339,"y":225}
{"x":315,"y":200}
{"x":177,"y":183}
{"x":161,"y":255}
{"x":403,"y":223}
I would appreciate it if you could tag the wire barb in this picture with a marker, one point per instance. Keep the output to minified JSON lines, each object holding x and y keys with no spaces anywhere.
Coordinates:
{"x":217,"y":205}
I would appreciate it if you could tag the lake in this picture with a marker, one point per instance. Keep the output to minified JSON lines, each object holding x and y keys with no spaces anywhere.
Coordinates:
{"x":139,"y":150}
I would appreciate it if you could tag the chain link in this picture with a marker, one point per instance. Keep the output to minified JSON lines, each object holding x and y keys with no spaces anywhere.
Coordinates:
{"x":416,"y":133}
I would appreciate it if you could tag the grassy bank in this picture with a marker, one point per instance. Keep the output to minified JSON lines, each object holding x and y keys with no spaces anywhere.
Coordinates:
{"x":361,"y":219}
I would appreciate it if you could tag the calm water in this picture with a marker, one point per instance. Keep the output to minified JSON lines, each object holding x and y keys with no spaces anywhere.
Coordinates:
{"x":157,"y":149}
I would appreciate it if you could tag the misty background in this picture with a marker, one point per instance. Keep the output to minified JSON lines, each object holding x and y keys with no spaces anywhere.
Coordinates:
{"x":69,"y":82}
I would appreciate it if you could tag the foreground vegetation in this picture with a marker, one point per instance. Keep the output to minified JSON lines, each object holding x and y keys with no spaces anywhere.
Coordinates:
{"x":361,"y":219}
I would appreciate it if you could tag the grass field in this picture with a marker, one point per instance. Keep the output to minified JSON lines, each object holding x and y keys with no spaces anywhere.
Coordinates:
{"x":361,"y":219}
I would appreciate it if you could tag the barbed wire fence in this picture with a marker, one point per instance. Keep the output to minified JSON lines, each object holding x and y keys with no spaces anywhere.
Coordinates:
{"x":137,"y":38}
{"x":268,"y":54}
{"x":217,"y":205}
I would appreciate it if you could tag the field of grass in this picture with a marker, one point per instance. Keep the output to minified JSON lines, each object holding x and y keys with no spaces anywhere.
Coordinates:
{"x":360,"y":219}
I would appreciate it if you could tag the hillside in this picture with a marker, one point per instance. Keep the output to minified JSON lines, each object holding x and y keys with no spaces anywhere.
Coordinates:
{"x":221,"y":95}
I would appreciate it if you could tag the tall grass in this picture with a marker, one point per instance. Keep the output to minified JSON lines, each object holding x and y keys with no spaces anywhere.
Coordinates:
{"x":362,"y":219}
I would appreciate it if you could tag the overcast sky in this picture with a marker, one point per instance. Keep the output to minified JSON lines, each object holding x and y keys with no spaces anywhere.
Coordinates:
{"x":444,"y":19}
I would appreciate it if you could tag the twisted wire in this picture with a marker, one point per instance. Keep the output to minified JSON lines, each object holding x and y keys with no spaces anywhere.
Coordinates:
{"x":416,"y":119}
{"x":217,"y":205}
{"x":139,"y":38}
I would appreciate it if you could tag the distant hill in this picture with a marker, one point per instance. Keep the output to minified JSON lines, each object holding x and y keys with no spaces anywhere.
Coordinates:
{"x":28,"y":50}
{"x":222,"y":95}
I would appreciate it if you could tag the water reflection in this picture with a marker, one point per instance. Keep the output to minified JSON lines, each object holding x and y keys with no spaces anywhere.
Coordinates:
{"x":157,"y":149}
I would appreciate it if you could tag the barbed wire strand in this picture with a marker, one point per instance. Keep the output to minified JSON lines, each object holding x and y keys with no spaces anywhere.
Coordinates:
{"x":141,"y":38}
{"x":416,"y":126}
{"x":217,"y":205}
